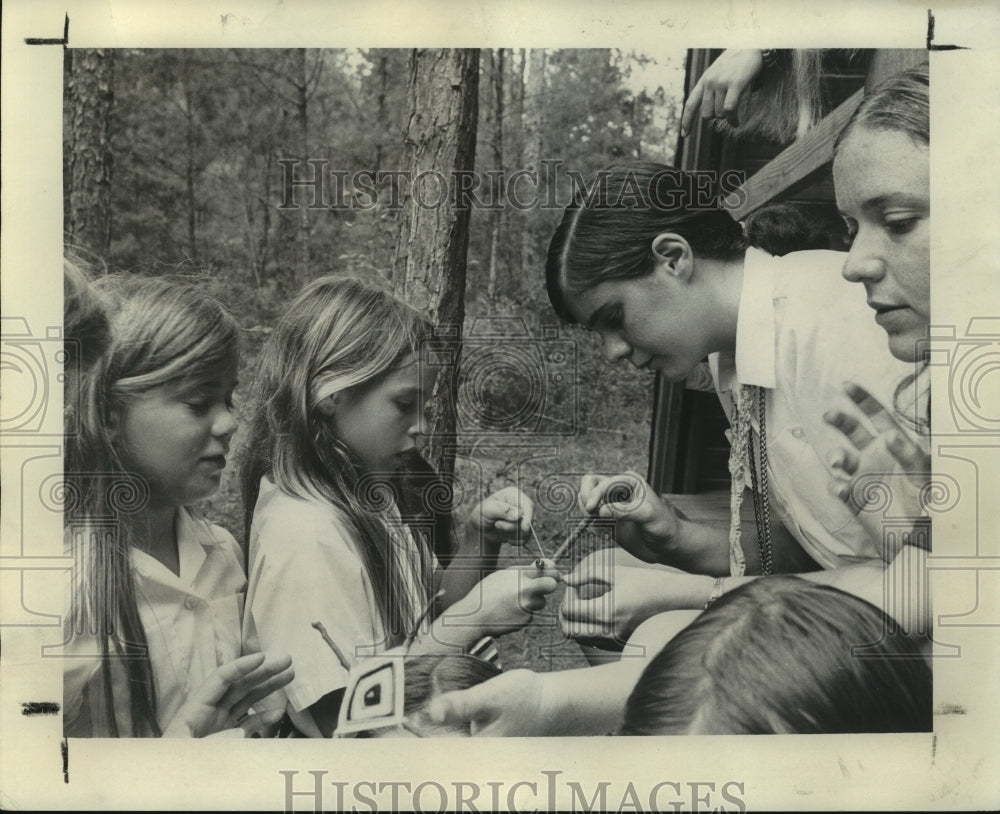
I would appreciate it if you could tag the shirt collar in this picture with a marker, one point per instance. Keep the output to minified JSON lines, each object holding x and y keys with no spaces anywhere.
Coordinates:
{"x":755,"y":328}
{"x":194,"y":542}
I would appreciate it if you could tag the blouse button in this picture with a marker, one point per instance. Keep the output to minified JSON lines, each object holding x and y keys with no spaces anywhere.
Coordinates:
{"x":798,"y":432}
{"x":192,"y":602}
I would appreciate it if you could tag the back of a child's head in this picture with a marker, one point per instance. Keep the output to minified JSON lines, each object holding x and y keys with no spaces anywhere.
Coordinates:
{"x":781,"y":229}
{"x":784,"y":655}
{"x":429,"y":676}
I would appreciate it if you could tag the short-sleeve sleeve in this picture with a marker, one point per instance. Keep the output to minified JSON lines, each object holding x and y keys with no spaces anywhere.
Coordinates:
{"x":303,"y":570}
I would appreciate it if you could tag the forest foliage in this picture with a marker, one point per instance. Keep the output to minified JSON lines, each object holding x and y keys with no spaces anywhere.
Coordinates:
{"x":197,"y":146}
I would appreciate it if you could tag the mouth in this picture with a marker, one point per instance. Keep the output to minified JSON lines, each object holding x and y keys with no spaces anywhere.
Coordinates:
{"x":888,"y":314}
{"x":215,"y":460}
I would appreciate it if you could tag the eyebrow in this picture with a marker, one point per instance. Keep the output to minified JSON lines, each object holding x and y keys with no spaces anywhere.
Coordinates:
{"x":600,"y":315}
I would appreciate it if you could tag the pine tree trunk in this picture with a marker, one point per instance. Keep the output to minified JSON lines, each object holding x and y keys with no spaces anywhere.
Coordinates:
{"x":302,"y":119}
{"x":88,"y":144}
{"x":534,"y":99}
{"x":429,"y":264}
{"x":497,"y":76}
{"x":190,"y":167}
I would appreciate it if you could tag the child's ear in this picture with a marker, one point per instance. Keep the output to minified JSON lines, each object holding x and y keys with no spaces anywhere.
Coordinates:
{"x":328,"y":404}
{"x":673,"y":255}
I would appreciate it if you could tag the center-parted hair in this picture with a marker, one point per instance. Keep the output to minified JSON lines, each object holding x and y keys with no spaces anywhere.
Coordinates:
{"x":337,"y":334}
{"x":156,"y":332}
{"x":901,"y":103}
{"x":784,"y":655}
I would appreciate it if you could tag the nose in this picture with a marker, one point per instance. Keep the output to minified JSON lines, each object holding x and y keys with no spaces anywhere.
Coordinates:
{"x":615,"y":347}
{"x":864,"y":263}
{"x":225,"y":423}
{"x":420,"y":426}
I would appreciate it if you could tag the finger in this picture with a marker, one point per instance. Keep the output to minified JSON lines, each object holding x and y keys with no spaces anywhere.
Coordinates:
{"x":576,"y":609}
{"x":908,"y":454}
{"x":708,"y":101}
{"x":274,"y":672}
{"x":463,"y":706}
{"x":540,"y":587}
{"x":261,"y":690}
{"x":842,"y":491}
{"x":720,"y":102}
{"x":591,"y":492}
{"x":850,"y":427}
{"x":731,"y":102}
{"x":221,"y":680}
{"x":547,"y":568}
{"x":520,"y":501}
{"x":690,"y":106}
{"x":882,"y":419}
{"x":845,"y":460}
{"x":589,"y":569}
{"x":494,"y":508}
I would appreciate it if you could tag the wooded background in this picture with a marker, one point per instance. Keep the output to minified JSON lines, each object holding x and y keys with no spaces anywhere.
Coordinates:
{"x":172,"y":165}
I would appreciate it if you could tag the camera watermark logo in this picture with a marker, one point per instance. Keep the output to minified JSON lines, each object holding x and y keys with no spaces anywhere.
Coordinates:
{"x":514,"y":383}
{"x":31,"y":365}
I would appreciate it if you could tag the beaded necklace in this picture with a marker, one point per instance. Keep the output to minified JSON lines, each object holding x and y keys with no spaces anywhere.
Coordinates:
{"x":741,"y":454}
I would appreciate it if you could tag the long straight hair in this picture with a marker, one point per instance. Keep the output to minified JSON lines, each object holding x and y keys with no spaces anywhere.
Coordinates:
{"x":338,"y":333}
{"x":160,"y":332}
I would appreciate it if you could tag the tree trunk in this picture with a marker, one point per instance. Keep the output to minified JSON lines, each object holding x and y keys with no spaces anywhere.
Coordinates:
{"x":429,"y":264}
{"x":534,"y":99}
{"x":89,"y":101}
{"x":190,"y":168}
{"x":302,"y":119}
{"x":496,"y":188}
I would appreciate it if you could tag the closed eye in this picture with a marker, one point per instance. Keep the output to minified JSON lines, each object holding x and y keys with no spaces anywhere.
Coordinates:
{"x":901,"y":226}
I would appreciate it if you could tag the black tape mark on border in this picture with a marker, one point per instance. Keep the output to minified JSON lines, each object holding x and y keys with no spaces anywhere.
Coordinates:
{"x":51,"y":40}
{"x":30,"y":708}
{"x":65,"y":757}
{"x":930,"y":37}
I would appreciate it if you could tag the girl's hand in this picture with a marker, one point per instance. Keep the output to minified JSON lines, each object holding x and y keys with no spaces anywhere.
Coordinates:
{"x":717,"y":93}
{"x":503,"y":515}
{"x":608,"y":601}
{"x":222,"y":701}
{"x":883,"y":470}
{"x":505,"y":600}
{"x":647,"y":525}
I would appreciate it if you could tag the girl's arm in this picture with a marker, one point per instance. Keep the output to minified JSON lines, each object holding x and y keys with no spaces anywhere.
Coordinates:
{"x":585,"y":701}
{"x":651,"y":528}
{"x":634,"y":594}
{"x":501,"y":516}
{"x":502,"y":602}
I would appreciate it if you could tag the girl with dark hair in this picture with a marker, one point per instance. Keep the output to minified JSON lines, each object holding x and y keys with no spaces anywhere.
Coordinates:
{"x":666,"y":279}
{"x":784,"y":656}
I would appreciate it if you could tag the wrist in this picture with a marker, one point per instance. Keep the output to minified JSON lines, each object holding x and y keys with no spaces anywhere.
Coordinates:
{"x":718,"y":589}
